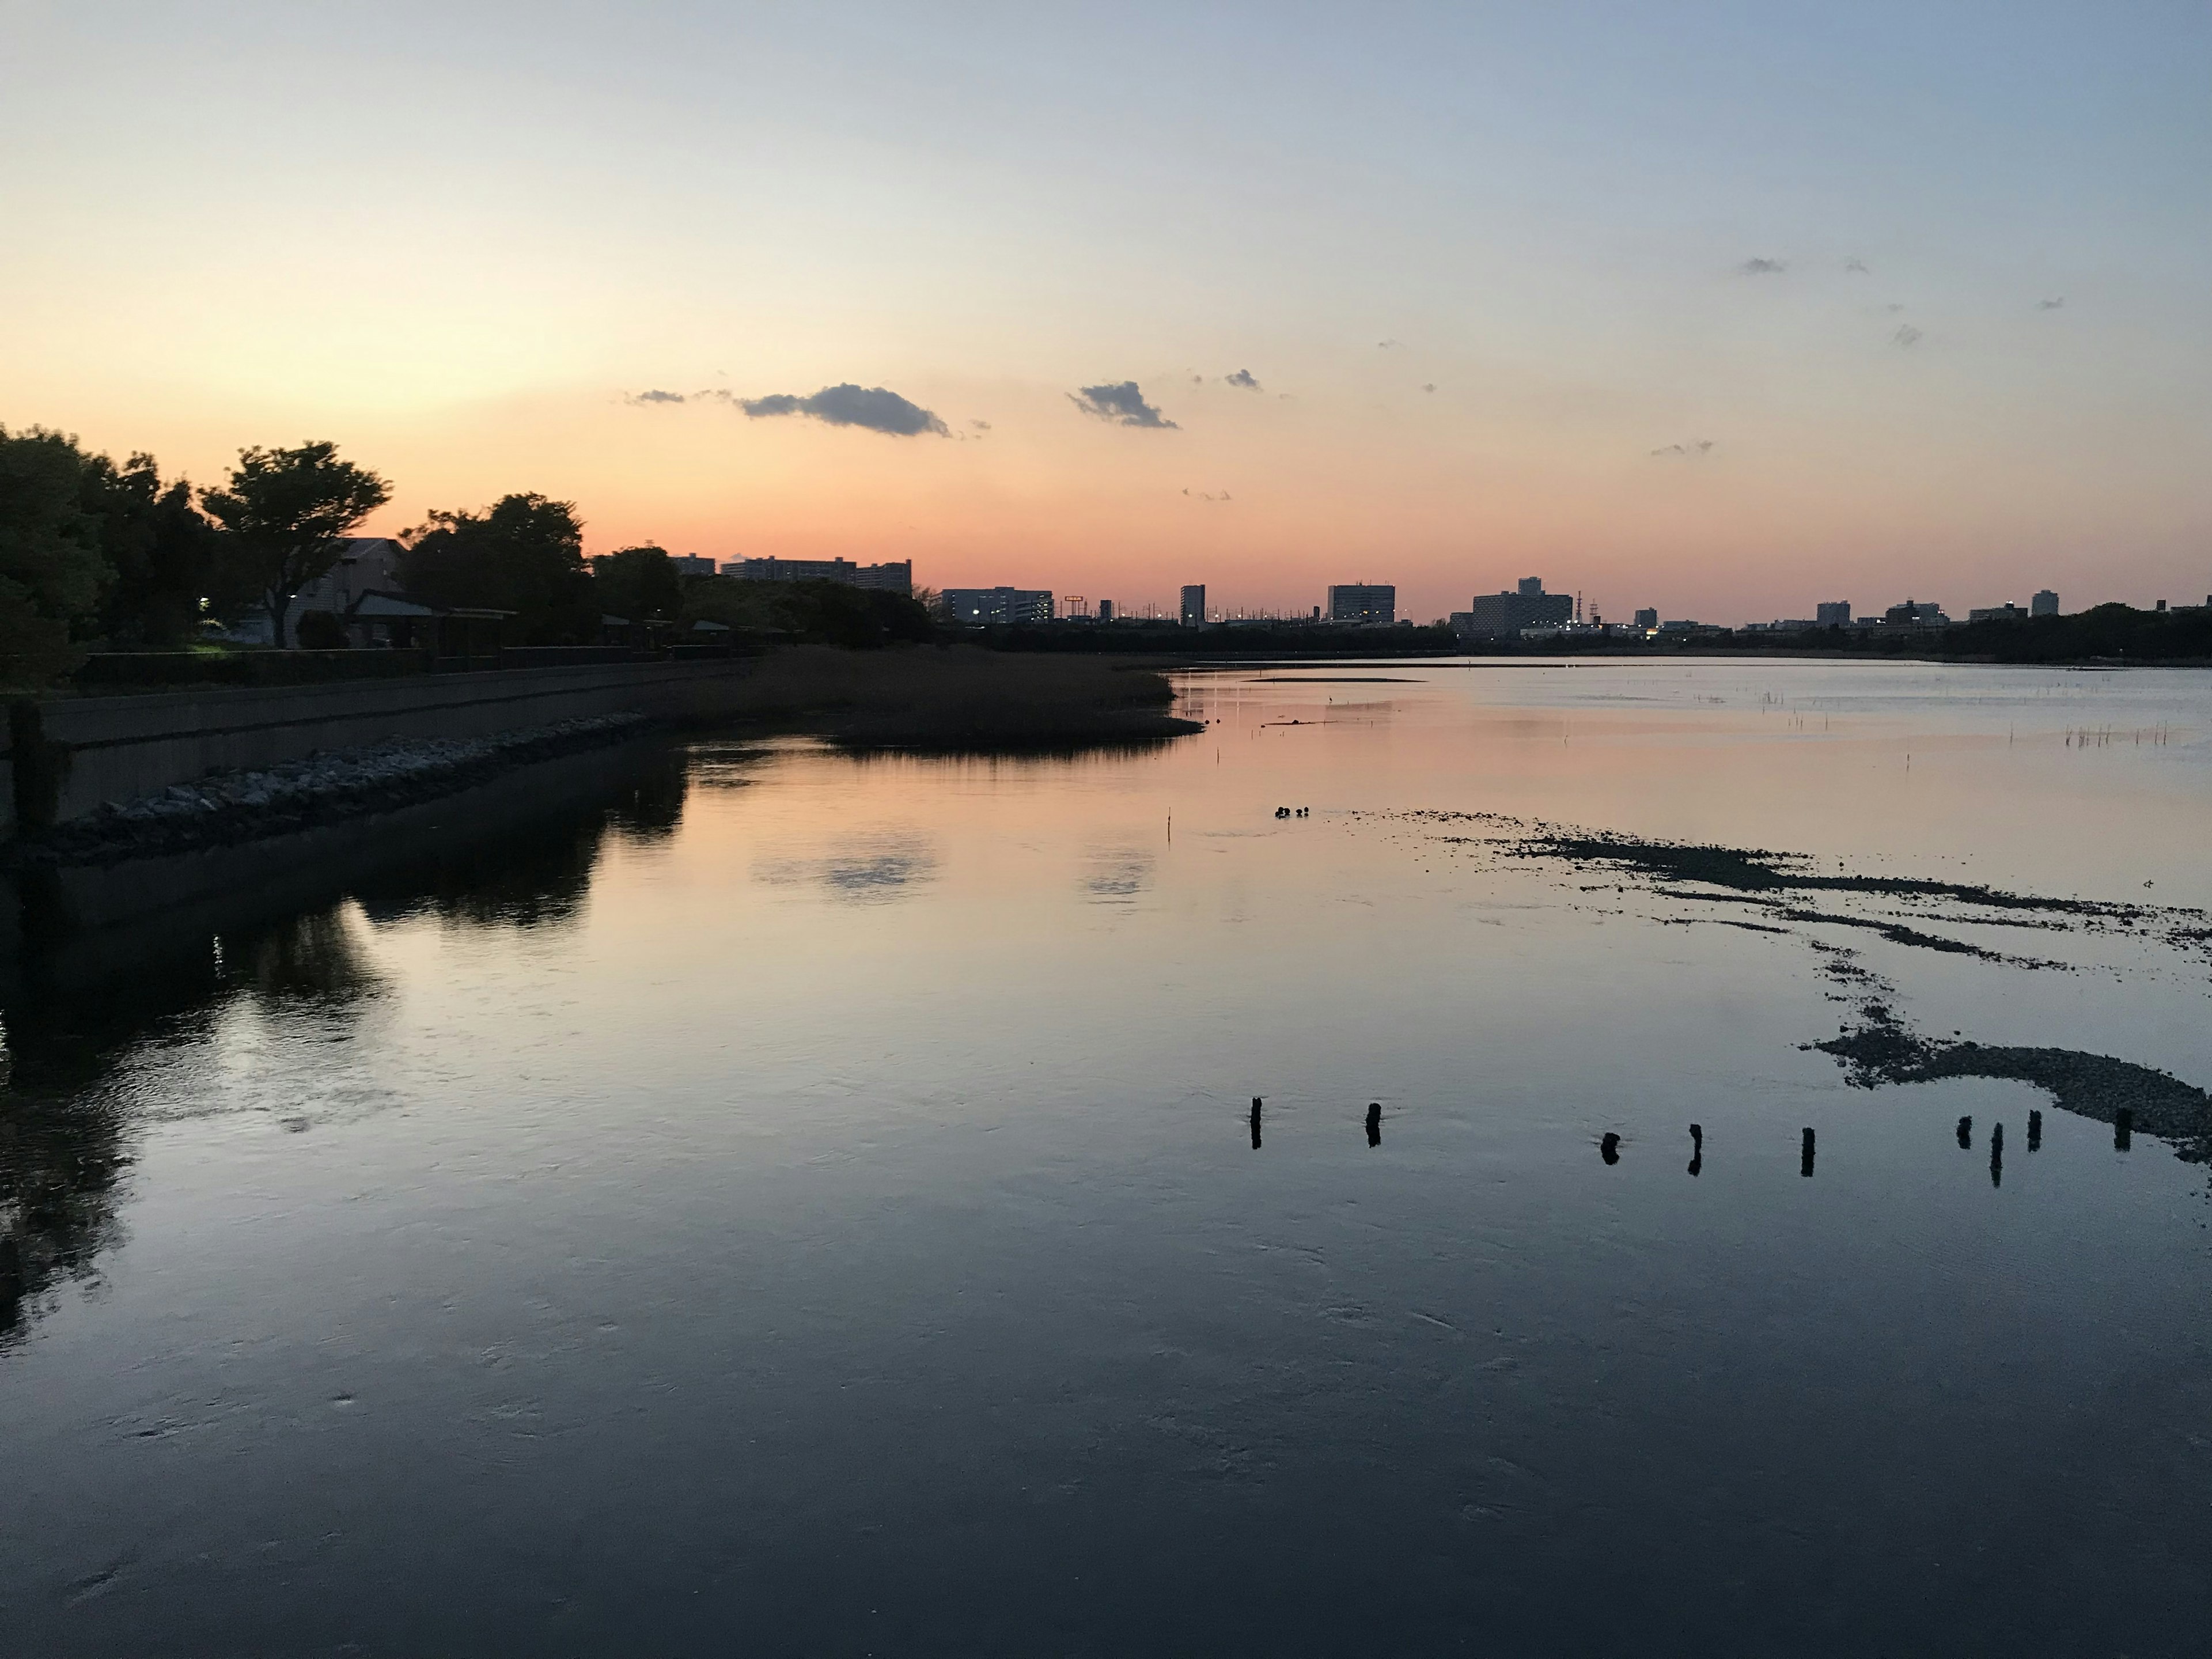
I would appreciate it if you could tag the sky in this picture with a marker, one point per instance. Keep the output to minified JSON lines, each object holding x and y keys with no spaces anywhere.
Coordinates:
{"x":1721,"y":308}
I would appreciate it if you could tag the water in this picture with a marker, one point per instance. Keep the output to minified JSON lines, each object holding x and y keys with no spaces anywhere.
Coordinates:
{"x":746,"y":1199}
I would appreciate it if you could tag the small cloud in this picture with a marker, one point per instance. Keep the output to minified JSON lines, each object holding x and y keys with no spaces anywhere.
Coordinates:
{"x":1762,"y":267}
{"x":871,"y":408}
{"x":641,"y":397}
{"x":1122,"y":405}
{"x":1428,"y":385}
{"x":1906,"y":337}
{"x":1893,"y":307}
{"x":1201,"y":495}
{"x":2058,"y":304}
{"x":1388,"y":345}
{"x":1696,"y":449}
{"x":1197,"y":379}
{"x":1856,"y":267}
{"x":981,"y":426}
{"x":1243,"y":380}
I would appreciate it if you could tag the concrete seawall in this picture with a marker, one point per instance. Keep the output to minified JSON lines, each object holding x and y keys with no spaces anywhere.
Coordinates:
{"x":68,"y":755}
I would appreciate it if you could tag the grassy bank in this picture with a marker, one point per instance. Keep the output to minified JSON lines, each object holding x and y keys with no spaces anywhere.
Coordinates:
{"x":958,"y":698}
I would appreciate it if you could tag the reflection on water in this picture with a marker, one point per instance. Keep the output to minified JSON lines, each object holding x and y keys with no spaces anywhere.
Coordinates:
{"x":79,"y":1006}
{"x":796,"y":1196}
{"x":863,"y":870}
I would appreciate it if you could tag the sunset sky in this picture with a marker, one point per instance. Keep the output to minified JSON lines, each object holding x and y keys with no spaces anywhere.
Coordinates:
{"x":1721,"y":308}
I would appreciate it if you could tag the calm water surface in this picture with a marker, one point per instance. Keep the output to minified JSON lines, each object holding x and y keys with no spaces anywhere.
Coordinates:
{"x":758,"y":1201}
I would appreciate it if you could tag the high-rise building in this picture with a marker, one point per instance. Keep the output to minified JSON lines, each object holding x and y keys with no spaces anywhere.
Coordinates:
{"x":889,"y":578}
{"x":1193,"y":606}
{"x":691,"y":564}
{"x":1502,"y":616}
{"x":1105,"y":611}
{"x":2045,"y":604}
{"x":1648,"y":617}
{"x":1916,"y":613}
{"x":1374,"y":604}
{"x":986,"y":607}
{"x":1832,"y":613}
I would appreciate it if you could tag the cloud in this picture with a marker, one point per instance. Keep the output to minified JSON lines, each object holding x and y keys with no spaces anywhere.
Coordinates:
{"x":654,"y":397}
{"x":1762,"y":267}
{"x":869,"y":407}
{"x":1857,"y":267}
{"x":1696,"y":450}
{"x":1243,"y":382}
{"x":1123,"y":405}
{"x":981,"y":426}
{"x":1202,"y":495}
{"x":1388,"y":345}
{"x":1428,"y":385}
{"x":1906,"y":336}
{"x":2058,"y":304}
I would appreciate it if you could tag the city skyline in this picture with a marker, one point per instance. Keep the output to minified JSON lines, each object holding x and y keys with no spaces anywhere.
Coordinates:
{"x":1714,"y":315}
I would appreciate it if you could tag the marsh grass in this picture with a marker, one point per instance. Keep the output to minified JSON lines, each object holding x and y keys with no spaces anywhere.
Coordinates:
{"x":960,"y":699}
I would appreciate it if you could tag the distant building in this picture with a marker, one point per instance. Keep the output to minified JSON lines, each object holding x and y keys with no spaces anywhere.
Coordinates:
{"x":2045,"y":604}
{"x":1647,"y":617}
{"x":1915,"y":613}
{"x":1502,"y":616}
{"x":1835,"y":614}
{"x":2006,"y":612}
{"x":692,"y":564}
{"x":1193,"y":606}
{"x":1105,"y":611}
{"x":889,"y":578}
{"x":997,"y":606}
{"x":1374,"y":604}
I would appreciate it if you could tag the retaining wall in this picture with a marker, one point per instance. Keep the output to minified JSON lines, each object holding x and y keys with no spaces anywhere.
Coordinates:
{"x":68,"y":755}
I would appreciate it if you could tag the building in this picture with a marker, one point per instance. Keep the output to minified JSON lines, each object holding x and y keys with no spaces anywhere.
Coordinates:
{"x":1915,"y":613}
{"x":1373,"y":605}
{"x":692,"y":564}
{"x":1105,"y":611}
{"x":889,"y":578}
{"x":1502,"y":616}
{"x":365,"y":564}
{"x":1648,"y":617}
{"x":2006,"y":612}
{"x":2045,"y":604}
{"x":1193,"y":606}
{"x":1835,"y":613}
{"x":990,"y":607}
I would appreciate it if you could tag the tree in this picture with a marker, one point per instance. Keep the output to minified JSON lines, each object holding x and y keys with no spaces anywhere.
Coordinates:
{"x":826,"y":613}
{"x":50,"y":571}
{"x":637,"y":583}
{"x":285,"y":510}
{"x":524,"y":553}
{"x":161,"y":551}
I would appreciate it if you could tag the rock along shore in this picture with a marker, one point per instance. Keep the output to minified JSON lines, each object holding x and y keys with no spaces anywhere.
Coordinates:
{"x":225,"y":807}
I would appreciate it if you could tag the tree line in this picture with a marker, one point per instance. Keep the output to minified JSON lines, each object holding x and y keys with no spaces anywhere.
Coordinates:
{"x":97,"y":554}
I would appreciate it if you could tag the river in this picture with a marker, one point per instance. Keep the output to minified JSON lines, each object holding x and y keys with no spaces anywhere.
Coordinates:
{"x":752,"y":1199}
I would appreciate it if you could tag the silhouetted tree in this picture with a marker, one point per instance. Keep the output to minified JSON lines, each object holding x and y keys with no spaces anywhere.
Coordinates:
{"x":823,"y":613}
{"x":285,"y":510}
{"x":160,"y":549}
{"x":638,"y":583}
{"x":524,"y":553}
{"x":50,"y":569}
